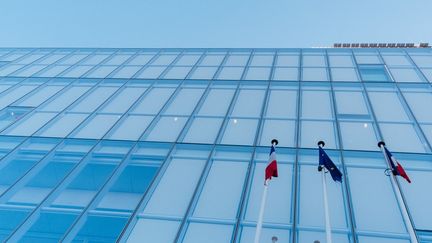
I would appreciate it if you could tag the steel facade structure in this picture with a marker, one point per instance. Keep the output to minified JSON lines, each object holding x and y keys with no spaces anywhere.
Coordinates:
{"x":170,"y":145}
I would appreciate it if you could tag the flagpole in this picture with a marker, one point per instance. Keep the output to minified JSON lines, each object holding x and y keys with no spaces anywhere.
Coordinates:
{"x":326,"y":209}
{"x":400,"y":200}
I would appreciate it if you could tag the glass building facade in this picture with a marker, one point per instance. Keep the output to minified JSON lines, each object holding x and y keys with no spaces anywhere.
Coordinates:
{"x":170,"y":145}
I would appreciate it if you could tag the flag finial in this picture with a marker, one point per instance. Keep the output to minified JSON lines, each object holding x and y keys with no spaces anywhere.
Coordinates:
{"x":381,"y":143}
{"x":321,"y":143}
{"x":275,"y":141}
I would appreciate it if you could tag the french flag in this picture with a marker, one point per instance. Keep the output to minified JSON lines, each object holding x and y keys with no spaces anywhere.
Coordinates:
{"x":396,"y":167}
{"x":271,"y":169}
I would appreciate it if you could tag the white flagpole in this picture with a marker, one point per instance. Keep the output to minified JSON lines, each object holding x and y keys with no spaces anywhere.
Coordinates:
{"x":326,"y":209}
{"x":261,"y":213}
{"x":401,"y":203}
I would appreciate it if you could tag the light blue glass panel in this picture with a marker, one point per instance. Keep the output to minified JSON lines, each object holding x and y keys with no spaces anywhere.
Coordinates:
{"x":383,"y":204}
{"x":248,"y":235}
{"x":52,"y":71}
{"x":140,"y":60}
{"x":126,"y":72}
{"x":277,"y":208}
{"x":405,"y":75}
{"x":375,"y":73}
{"x":177,"y":72}
{"x":203,"y":130}
{"x":372,"y":239}
{"x":283,"y":129}
{"x":151,"y":72}
{"x":314,"y":61}
{"x":11,"y":57}
{"x":166,"y":129}
{"x":164,"y":60}
{"x":123,"y":130}
{"x":70,"y":60}
{"x":101,"y":72}
{"x":220,"y":198}
{"x":240,"y":131}
{"x":4,"y":87}
{"x":314,"y":74}
{"x":312,"y":236}
{"x":40,"y":96}
{"x":123,"y":100}
{"x":311,"y":199}
{"x":12,"y":95}
{"x":96,"y":127}
{"x":65,"y":99}
{"x":316,"y":104}
{"x":29,"y":70}
{"x":14,"y":218}
{"x":95,"y":59}
{"x":405,"y":139}
{"x":367,"y":59}
{"x":420,"y":104}
{"x":212,"y":60}
{"x":314,"y":131}
{"x":76,"y":71}
{"x":387,"y":106}
{"x":344,"y":74}
{"x":8,"y":69}
{"x":11,"y":115}
{"x":262,"y":60}
{"x":341,"y":61}
{"x":181,"y":174}
{"x":187,"y":60}
{"x":427,"y":73}
{"x":209,"y":233}
{"x":358,"y":136}
{"x":203,"y":73}
{"x":50,"y":59}
{"x":153,"y":101}
{"x":101,"y":229}
{"x":234,"y":73}
{"x":289,"y":74}
{"x":62,"y":125}
{"x":287,"y":60}
{"x":422,"y":61}
{"x":153,"y":230}
{"x":282,"y":104}
{"x":30,"y":124}
{"x":258,"y":73}
{"x":29,"y":58}
{"x":427,"y":130}
{"x":92,"y":101}
{"x":236,"y":60}
{"x":351,"y":103}
{"x":248,"y":103}
{"x":184,"y":102}
{"x":394,"y":60}
{"x":217,"y":102}
{"x":117,"y":59}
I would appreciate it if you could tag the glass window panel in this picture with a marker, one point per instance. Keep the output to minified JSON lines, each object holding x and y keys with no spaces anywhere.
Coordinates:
{"x":427,"y":130}
{"x":262,"y":60}
{"x":29,"y":70}
{"x":351,"y":103}
{"x":11,"y":57}
{"x":140,"y":60}
{"x":374,"y":73}
{"x":184,"y":102}
{"x":203,"y":130}
{"x":314,"y":131}
{"x":167,"y":129}
{"x":248,"y":103}
{"x":14,"y":218}
{"x":372,"y":239}
{"x":387,"y":106}
{"x":203,"y":73}
{"x":96,"y":127}
{"x":212,"y":60}
{"x":29,"y":58}
{"x":248,"y":235}
{"x":14,"y":94}
{"x":287,"y":61}
{"x":341,"y":61}
{"x":177,"y":73}
{"x":52,"y":71}
{"x":153,"y":101}
{"x":126,"y":72}
{"x":123,"y":100}
{"x":65,"y":99}
{"x":217,"y":102}
{"x":40,"y":96}
{"x":188,"y":60}
{"x":101,"y":228}
{"x":316,"y":104}
{"x":344,"y":74}
{"x":405,"y":75}
{"x":358,"y":136}
{"x":181,"y":174}
{"x":30,"y":124}
{"x":311,"y":236}
{"x":240,"y":131}
{"x":220,"y":198}
{"x":420,"y":104}
{"x":63,"y":125}
{"x":164,"y":60}
{"x":314,"y":74}
{"x":76,"y":71}
{"x":402,"y":137}
{"x":117,"y":59}
{"x":101,"y":72}
{"x":92,"y":101}
{"x":314,"y":61}
{"x":368,"y":59}
{"x":422,"y":61}
{"x":258,"y":73}
{"x":392,"y":60}
{"x":383,"y":205}
{"x":94,"y":59}
{"x":277,"y":208}
{"x":8,"y":69}
{"x":149,"y":230}
{"x":290,"y":74}
{"x":50,"y":59}
{"x":209,"y":233}
{"x":124,"y":132}
{"x":427,"y":73}
{"x":278,"y":128}
{"x":11,"y":115}
{"x":236,"y":60}
{"x":282,"y":104}
{"x":151,"y":72}
{"x":70,"y":60}
{"x":234,"y":73}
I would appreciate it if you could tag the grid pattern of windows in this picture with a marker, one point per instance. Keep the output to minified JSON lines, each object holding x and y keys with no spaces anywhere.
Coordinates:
{"x":107,"y":144}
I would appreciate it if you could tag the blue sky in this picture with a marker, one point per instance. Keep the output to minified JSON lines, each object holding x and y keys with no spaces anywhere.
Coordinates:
{"x":211,"y":23}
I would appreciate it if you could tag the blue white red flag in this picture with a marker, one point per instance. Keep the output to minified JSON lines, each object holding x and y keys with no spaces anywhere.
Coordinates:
{"x":396,"y":167}
{"x":325,"y":161}
{"x":271,"y":169}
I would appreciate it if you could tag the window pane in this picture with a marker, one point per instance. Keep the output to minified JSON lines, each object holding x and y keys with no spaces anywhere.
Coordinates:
{"x":344,"y":74}
{"x":287,"y":61}
{"x":96,"y":127}
{"x":124,"y":132}
{"x":341,"y":61}
{"x":65,"y":99}
{"x":258,"y":73}
{"x":396,"y":60}
{"x":188,"y":60}
{"x":209,"y":233}
{"x":203,"y":130}
{"x":29,"y":70}
{"x":234,"y":73}
{"x":8,"y":69}
{"x":167,"y":129}
{"x":95,"y":59}
{"x":63,"y":125}
{"x":240,"y":131}
{"x":153,"y":101}
{"x":366,"y":59}
{"x":92,"y":101}
{"x":12,"y":95}
{"x":262,"y":60}
{"x":315,"y":74}
{"x":212,"y":60}
{"x":164,"y":60}
{"x":76,"y":72}
{"x":40,"y":96}
{"x":177,"y":73}
{"x":314,"y":61}
{"x":151,"y":72}
{"x":316,"y":104}
{"x":351,"y":103}
{"x":358,"y":136}
{"x":278,"y":128}
{"x":117,"y":59}
{"x":216,"y":102}
{"x":248,"y":103}
{"x":374,"y":73}
{"x":203,"y":73}
{"x":149,"y":230}
{"x":420,"y":104}
{"x":140,"y":60}
{"x":101,"y":72}
{"x":405,"y":75}
{"x":126,"y":72}
{"x":405,"y":139}
{"x":314,"y":131}
{"x":70,"y":60}
{"x":248,"y":235}
{"x":235,"y":60}
{"x":282,"y":104}
{"x":30,"y":124}
{"x":387,"y":106}
{"x":52,"y":71}
{"x":422,"y":61}
{"x":184,"y":102}
{"x":123,"y":100}
{"x":290,"y":74}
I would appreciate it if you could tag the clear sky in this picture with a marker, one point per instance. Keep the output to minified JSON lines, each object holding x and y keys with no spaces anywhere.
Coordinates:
{"x":211,"y":23}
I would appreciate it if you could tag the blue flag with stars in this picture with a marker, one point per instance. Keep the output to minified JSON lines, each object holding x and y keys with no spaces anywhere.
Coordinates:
{"x":325,"y":161}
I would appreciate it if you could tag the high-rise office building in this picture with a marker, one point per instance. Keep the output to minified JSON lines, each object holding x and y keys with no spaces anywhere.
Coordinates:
{"x":170,"y":145}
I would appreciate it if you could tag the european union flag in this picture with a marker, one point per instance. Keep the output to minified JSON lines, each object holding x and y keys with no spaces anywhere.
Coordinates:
{"x":325,"y":161}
